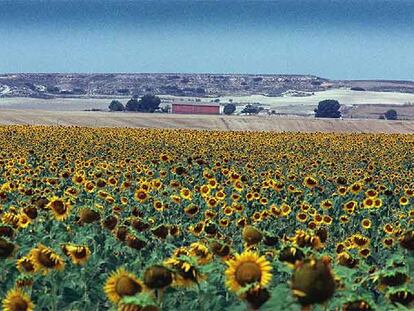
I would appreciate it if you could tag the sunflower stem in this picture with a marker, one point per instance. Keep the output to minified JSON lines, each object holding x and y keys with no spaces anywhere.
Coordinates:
{"x":159,"y":294}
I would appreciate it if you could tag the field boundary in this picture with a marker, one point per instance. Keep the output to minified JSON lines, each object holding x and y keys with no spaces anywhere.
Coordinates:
{"x":202,"y":122}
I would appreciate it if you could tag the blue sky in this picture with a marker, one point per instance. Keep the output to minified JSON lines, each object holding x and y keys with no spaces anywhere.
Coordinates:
{"x":369,"y":39}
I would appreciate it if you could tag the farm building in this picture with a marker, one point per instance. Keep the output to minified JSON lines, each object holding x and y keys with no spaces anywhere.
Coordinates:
{"x":195,"y":108}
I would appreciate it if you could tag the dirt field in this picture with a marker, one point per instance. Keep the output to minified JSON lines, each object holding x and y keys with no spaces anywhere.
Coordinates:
{"x":405,"y":112}
{"x":237,"y":123}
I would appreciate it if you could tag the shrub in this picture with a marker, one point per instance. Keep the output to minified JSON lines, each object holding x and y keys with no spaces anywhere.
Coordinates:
{"x":147,"y":103}
{"x":116,"y":105}
{"x":328,"y":108}
{"x":229,"y":109}
{"x":391,"y":115}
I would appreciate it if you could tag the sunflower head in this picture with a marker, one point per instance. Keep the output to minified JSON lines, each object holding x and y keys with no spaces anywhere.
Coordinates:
{"x":17,"y":300}
{"x":88,"y":215}
{"x":407,"y":240}
{"x":186,"y":273}
{"x":403,"y":297}
{"x":357,"y":305}
{"x":256,"y":297}
{"x":122,"y":283}
{"x":312,"y":281}
{"x":6,"y":248}
{"x":25,"y":265}
{"x":156,"y":277}
{"x":219,"y":249}
{"x":45,"y":259}
{"x":24,"y":280}
{"x":247,"y":269}
{"x":59,"y":208}
{"x":291,"y":255}
{"x":79,"y":254}
{"x":251,"y":235}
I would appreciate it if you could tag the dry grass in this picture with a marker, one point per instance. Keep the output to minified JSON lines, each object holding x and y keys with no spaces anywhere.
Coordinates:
{"x":236,"y":123}
{"x":405,"y":112}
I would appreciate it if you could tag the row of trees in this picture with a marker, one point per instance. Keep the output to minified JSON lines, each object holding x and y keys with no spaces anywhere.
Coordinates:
{"x":147,"y":103}
{"x":328,"y":108}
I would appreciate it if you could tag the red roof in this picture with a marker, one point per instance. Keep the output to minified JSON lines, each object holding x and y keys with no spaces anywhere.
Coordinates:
{"x":196,"y":104}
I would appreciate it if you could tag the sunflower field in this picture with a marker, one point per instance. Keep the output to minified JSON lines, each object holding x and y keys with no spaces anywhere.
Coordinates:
{"x":134,"y":219}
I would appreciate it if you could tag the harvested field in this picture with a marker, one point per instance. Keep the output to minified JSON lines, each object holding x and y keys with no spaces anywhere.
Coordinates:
{"x":236,"y":123}
{"x":405,"y":112}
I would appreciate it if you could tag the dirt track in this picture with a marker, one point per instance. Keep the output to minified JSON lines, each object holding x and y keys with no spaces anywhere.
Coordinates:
{"x":250,"y":123}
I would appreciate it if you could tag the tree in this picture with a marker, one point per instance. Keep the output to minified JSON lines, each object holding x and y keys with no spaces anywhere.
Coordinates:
{"x":149,"y":103}
{"x":328,"y":108}
{"x":391,"y":115}
{"x":229,"y":109}
{"x":252,"y":109}
{"x":116,"y":105}
{"x":132,"y":105}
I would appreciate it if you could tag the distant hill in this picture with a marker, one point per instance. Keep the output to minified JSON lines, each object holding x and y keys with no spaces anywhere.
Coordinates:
{"x":55,"y":85}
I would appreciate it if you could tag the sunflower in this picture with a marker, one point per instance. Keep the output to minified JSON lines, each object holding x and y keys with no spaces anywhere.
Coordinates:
{"x":212,"y":202}
{"x":327,"y":220}
{"x":158,"y":206}
{"x":286,"y":209}
{"x":220,"y":195}
{"x":312,"y":281}
{"x":17,"y":300}
{"x":371,"y":193}
{"x":186,"y":273}
{"x":141,"y":195}
{"x":404,"y":201}
{"x":205,"y":190}
{"x":186,"y":194}
{"x":326,"y":204}
{"x":24,"y":220}
{"x":301,"y":217}
{"x":25,"y":265}
{"x":122,"y":283}
{"x":246,"y":269}
{"x":6,"y":248}
{"x":191,"y":210}
{"x":228,"y":211}
{"x":157,"y":277}
{"x":356,"y":187}
{"x":59,"y":208}
{"x":79,"y":254}
{"x":368,"y":202}
{"x":45,"y":259}
{"x":364,"y":252}
{"x":201,"y":252}
{"x":310,"y":182}
{"x":88,"y":215}
{"x":388,"y":228}
{"x":341,"y":190}
{"x":388,"y":242}
{"x":344,"y":219}
{"x":360,"y":241}
{"x":251,"y":235}
{"x":366,"y":223}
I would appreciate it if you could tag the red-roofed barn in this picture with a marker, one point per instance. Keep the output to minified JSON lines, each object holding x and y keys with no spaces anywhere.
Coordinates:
{"x":195,"y":108}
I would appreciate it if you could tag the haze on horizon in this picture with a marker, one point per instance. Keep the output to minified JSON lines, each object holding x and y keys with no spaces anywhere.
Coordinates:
{"x":367,"y":39}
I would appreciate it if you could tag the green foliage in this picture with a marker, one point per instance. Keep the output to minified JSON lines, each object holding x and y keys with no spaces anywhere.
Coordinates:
{"x":229,"y":109}
{"x":252,"y":109}
{"x":147,"y":103}
{"x":391,"y":115}
{"x":116,"y":105}
{"x":328,"y":108}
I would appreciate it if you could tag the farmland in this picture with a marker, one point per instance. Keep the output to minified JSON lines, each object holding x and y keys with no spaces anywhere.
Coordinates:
{"x":201,"y":122}
{"x":165,"y":219}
